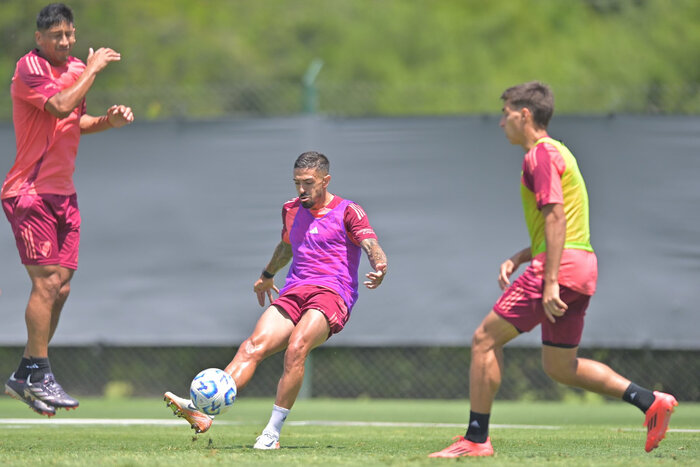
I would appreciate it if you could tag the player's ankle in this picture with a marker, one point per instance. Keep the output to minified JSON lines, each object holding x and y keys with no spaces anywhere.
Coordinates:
{"x":638,"y":396}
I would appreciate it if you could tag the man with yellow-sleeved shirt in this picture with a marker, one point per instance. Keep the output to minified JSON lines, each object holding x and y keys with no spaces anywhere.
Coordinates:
{"x":554,"y":290}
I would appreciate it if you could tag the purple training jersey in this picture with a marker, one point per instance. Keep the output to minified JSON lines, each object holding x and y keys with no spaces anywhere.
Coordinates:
{"x":323,"y":253}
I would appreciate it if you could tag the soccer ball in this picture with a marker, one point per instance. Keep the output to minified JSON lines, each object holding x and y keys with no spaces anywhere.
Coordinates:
{"x":213,"y":391}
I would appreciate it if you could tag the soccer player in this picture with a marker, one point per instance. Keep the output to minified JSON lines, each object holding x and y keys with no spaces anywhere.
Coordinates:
{"x":324,"y":236}
{"x":556,"y":287}
{"x":49,"y":115}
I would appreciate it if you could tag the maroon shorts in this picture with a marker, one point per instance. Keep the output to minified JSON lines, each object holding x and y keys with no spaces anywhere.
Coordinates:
{"x":298,"y":300}
{"x":46,"y":228}
{"x":521,"y":305}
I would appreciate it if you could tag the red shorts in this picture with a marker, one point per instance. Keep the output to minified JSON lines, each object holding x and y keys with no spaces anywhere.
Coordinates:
{"x":46,"y":228}
{"x":296,"y":301}
{"x":521,"y":305}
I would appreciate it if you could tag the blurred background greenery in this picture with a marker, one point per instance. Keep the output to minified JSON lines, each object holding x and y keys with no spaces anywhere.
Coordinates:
{"x":213,"y":58}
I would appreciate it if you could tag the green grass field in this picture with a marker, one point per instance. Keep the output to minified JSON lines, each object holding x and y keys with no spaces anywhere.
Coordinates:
{"x":342,"y":432}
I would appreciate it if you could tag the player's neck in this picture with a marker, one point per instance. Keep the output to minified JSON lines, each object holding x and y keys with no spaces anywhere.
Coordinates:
{"x":532,"y":136}
{"x":49,"y":59}
{"x":326,"y":201}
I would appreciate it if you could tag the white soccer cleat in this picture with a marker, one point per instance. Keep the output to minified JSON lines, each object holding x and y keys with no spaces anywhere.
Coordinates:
{"x":184,"y":408}
{"x":267,"y":440}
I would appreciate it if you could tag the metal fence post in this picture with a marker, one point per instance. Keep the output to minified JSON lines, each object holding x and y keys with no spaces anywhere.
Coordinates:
{"x":310,"y":94}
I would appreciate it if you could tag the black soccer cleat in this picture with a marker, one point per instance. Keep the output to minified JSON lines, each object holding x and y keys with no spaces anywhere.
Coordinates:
{"x":16,"y":388}
{"x":50,"y":392}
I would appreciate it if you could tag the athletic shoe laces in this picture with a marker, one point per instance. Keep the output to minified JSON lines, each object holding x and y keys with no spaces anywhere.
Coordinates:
{"x":51,"y":385}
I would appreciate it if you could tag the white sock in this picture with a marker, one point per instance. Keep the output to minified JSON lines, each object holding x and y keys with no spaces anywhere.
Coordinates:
{"x":277,"y":418}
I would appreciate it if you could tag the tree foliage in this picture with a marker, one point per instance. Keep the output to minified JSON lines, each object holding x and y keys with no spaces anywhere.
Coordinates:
{"x":380,"y":56}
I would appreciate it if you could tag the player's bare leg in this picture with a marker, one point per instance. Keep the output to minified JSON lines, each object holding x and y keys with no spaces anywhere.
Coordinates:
{"x":271,"y":335}
{"x":484,"y":380}
{"x":563,"y":366}
{"x":63,"y":294}
{"x":36,"y":321}
{"x":50,"y":290}
{"x":311,"y":331}
{"x":487,"y":360}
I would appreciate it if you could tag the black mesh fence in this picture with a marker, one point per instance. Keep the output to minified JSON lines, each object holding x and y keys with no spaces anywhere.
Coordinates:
{"x":353,"y":372}
{"x":281,"y":98}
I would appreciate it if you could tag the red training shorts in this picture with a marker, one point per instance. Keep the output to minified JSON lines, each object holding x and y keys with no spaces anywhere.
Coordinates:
{"x":296,"y":301}
{"x":521,"y":305}
{"x":46,"y":228}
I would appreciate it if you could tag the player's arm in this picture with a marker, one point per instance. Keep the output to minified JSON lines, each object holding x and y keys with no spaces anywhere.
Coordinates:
{"x":555,"y":236}
{"x":61,"y":104}
{"x":547,"y":166}
{"x":117,"y":116}
{"x":377,"y":259}
{"x":509,"y":266}
{"x":266,"y":283}
{"x":361,"y":233}
{"x":280,"y":257}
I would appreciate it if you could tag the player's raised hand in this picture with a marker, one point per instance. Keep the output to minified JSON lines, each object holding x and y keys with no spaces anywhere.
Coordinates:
{"x":264,"y":286}
{"x":119,"y":115}
{"x":98,"y":59}
{"x":376,"y":277}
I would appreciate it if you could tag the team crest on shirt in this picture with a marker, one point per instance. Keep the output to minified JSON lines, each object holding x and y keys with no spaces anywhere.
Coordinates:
{"x":45,"y":249}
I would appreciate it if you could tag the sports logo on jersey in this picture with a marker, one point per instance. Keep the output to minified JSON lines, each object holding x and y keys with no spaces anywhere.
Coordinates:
{"x":314,"y":230}
{"x":34,"y":65}
{"x":358,"y":210}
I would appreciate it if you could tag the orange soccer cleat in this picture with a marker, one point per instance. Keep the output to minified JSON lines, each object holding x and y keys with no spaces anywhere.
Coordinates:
{"x":463,"y":448}
{"x":657,"y":418}
{"x":183,"y":408}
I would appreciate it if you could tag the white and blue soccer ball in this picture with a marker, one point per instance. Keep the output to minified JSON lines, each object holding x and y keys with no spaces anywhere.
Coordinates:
{"x":213,"y":391}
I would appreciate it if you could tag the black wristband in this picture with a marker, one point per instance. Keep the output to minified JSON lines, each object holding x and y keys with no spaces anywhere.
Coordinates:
{"x":267,"y":275}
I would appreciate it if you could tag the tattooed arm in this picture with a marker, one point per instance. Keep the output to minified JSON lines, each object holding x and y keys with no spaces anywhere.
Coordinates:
{"x":265,"y":285}
{"x":280,"y":257}
{"x":377,"y":259}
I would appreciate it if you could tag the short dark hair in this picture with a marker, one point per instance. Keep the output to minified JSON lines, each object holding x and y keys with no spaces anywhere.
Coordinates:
{"x":312,"y":160}
{"x":535,"y":96}
{"x":53,"y":14}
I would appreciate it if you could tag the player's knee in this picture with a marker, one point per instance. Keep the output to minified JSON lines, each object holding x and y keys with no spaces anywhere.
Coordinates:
{"x":49,"y":286}
{"x":481,"y":341}
{"x":296,"y":353}
{"x":560,"y":371}
{"x":64,"y":291}
{"x":251,"y":349}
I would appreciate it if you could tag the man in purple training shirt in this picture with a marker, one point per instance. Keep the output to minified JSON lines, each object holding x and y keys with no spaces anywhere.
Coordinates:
{"x":324,"y":235}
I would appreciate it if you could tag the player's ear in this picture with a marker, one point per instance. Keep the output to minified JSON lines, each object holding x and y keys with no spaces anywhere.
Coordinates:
{"x":37,"y":37}
{"x":326,"y":180}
